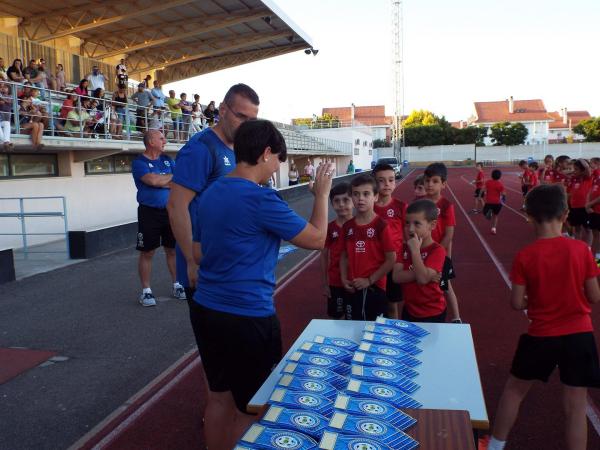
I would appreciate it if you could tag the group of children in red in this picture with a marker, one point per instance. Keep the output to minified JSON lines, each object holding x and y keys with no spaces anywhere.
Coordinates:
{"x":554,"y":279}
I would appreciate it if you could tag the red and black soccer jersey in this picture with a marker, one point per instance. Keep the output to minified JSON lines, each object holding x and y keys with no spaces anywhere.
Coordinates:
{"x":526,"y":177}
{"x":446,"y":218}
{"x":578,"y":190}
{"x":394,"y":213}
{"x":334,"y":243}
{"x":534,"y":179}
{"x":366,"y":246}
{"x":479,"y":180}
{"x":493,"y":191}
{"x":424,"y":300}
{"x":549,"y":176}
{"x":560,"y":177}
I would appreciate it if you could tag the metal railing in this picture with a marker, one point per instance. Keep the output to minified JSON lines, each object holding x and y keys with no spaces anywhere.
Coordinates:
{"x":22,"y":215}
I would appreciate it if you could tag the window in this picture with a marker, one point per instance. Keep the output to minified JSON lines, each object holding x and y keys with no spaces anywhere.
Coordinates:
{"x":110,"y":164}
{"x":356,"y":151}
{"x":357,"y":142}
{"x":364,"y":143}
{"x":25,"y":165}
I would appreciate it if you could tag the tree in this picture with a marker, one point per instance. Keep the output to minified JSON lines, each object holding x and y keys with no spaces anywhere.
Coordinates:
{"x":421,"y":117}
{"x":325,"y":121}
{"x":423,"y":135}
{"x":470,"y":135}
{"x":378,"y":143}
{"x":506,"y":133}
{"x":589,"y":128}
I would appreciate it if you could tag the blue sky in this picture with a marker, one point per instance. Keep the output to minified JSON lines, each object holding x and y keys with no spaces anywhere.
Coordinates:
{"x":455,"y":53}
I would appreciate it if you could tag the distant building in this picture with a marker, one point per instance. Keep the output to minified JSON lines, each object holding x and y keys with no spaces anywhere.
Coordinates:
{"x":561,"y":129}
{"x":371,"y":116}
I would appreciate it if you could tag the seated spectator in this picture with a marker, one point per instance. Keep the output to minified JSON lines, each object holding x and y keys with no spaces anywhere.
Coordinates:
{"x":40,"y":105}
{"x":25,"y":91}
{"x":121,"y":74}
{"x":6,"y":104}
{"x":197,"y":118}
{"x":79,"y":119}
{"x":35,"y":76}
{"x":31,"y":123}
{"x":82,"y":89}
{"x":156,"y":119}
{"x":61,"y":83}
{"x":143,"y":99}
{"x":96,"y":79}
{"x":98,"y":94}
{"x":211,"y":113}
{"x":15,"y":72}
{"x":3,"y":75}
{"x":66,"y":107}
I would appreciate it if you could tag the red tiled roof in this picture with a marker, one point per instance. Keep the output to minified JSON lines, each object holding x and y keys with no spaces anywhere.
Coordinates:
{"x":367,"y":115}
{"x":524,"y":111}
{"x":573,"y":118}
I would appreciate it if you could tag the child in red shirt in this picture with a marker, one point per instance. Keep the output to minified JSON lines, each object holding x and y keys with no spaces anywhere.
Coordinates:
{"x":341,"y":201}
{"x":561,"y":167}
{"x":419,"y":186}
{"x":494,"y":193}
{"x":578,"y":188}
{"x":554,"y":278}
{"x":479,"y":182}
{"x":533,"y":175}
{"x":525,"y":177}
{"x":418,"y":267}
{"x":393,"y":212}
{"x":368,"y":254}
{"x":546,"y":173}
{"x":436,"y":175}
{"x":593,"y":208}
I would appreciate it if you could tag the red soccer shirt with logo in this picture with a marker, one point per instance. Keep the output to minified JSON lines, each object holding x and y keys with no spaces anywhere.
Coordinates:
{"x":479,"y":180}
{"x":334,"y":243}
{"x":560,"y":177}
{"x":493,"y":191}
{"x":554,"y":272}
{"x":366,"y":246}
{"x":394,"y":213}
{"x":446,"y":218}
{"x":549,"y":176}
{"x":424,"y":300}
{"x":595,"y":192}
{"x":578,"y":190}
{"x":526,"y":177}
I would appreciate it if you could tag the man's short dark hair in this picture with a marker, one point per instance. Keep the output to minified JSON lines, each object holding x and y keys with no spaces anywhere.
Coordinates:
{"x":340,"y":189}
{"x":496,"y":174}
{"x":419,"y":181}
{"x":251,"y":139}
{"x":436,"y":169}
{"x":381,"y":167}
{"x":425,"y":206}
{"x":242,"y":90}
{"x":363,"y":179}
{"x":546,"y":202}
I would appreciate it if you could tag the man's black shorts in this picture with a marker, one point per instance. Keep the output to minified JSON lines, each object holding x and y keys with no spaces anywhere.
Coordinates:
{"x":447,"y":274}
{"x":441,"y":318}
{"x":366,"y":304}
{"x":393,"y":290}
{"x":493,"y":207}
{"x":478,"y":193}
{"x":578,"y":217}
{"x":335,"y":302}
{"x":154,"y":229}
{"x":575,"y":355}
{"x":238,"y":352}
{"x":594,"y":220}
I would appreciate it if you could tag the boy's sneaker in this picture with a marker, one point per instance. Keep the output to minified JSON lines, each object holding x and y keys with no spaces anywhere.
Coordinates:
{"x":493,"y":231}
{"x":147,"y":299}
{"x":179,"y":292}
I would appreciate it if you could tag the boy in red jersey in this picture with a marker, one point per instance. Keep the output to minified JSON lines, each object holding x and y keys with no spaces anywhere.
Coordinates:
{"x":561,"y":167}
{"x":479,"y":183}
{"x":419,"y":265}
{"x":341,"y":201}
{"x":592,"y":207}
{"x":595,"y":166}
{"x":368,"y":254}
{"x":419,"y":185}
{"x":392,"y":211}
{"x":546,"y":172}
{"x":554,"y":278}
{"x":494,"y":193}
{"x":578,"y":188}
{"x":525,"y":177}
{"x":436,"y":175}
{"x":534,"y":174}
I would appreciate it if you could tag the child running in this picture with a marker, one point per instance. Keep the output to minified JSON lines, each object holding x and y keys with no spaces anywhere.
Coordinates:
{"x":494,"y":193}
{"x":419,"y":186}
{"x":554,"y":278}
{"x":479,"y":182}
{"x":368,"y":254}
{"x":578,"y":188}
{"x":419,"y":265}
{"x":341,"y":201}
{"x":392,"y":211}
{"x":436,"y":175}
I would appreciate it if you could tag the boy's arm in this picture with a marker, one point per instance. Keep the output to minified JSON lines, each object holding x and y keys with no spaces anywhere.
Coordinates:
{"x":324,"y":267}
{"x":446,"y":241}
{"x":517,"y":297}
{"x":423,"y":274}
{"x":388,"y":263}
{"x":402,"y":276}
{"x":344,"y":271}
{"x":592,"y":291}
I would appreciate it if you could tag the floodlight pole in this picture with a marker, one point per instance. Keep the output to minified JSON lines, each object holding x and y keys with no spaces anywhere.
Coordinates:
{"x":398,"y":78}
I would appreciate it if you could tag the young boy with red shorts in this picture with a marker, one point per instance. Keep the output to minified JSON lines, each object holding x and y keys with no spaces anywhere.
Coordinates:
{"x":555,"y":280}
{"x":392,"y":211}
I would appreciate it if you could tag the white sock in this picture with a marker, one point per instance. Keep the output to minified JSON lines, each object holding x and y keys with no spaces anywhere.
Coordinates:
{"x":495,"y":444}
{"x":146,"y":291}
{"x":176,"y":284}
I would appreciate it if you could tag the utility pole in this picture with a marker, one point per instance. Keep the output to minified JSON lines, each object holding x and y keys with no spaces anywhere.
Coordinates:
{"x":398,"y":77}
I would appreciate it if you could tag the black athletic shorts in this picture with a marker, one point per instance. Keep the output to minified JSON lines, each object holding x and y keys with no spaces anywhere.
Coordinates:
{"x":238,"y":352}
{"x":441,"y":318}
{"x":575,"y":355}
{"x":366,"y":304}
{"x":524,"y":189}
{"x":493,"y":207}
{"x":393,"y":290}
{"x":447,"y":274}
{"x":594,"y":221}
{"x":478,"y":193}
{"x":154,"y":229}
{"x":335,"y":302}
{"x":578,"y":217}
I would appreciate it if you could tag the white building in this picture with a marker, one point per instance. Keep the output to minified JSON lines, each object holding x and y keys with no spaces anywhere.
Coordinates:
{"x":561,"y":129}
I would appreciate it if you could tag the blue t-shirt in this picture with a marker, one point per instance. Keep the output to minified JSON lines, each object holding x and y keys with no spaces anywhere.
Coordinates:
{"x":156,"y":197}
{"x":240,"y":226}
{"x":201,"y":161}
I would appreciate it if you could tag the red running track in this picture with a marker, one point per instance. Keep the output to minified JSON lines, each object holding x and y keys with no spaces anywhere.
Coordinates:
{"x":170,"y":417}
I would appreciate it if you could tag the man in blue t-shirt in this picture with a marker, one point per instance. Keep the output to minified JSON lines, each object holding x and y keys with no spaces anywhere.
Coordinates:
{"x":152,"y":173}
{"x":207,"y":156}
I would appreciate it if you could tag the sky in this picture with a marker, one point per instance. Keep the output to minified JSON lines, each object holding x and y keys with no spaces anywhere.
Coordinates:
{"x":455,"y":52}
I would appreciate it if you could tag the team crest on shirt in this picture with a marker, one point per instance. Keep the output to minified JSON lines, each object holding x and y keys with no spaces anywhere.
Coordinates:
{"x":350,"y":231}
{"x":167,"y":163}
{"x":371,"y":232}
{"x":390,"y":212}
{"x":150,"y":165}
{"x":405,"y":255}
{"x":334,"y":235}
{"x":360,"y":247}
{"x":439,"y":212}
{"x":226,"y":161}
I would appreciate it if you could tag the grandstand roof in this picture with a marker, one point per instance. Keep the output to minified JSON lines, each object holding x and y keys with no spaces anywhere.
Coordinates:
{"x":181,"y":38}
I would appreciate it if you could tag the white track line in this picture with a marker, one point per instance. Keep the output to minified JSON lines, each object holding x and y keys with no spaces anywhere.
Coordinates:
{"x":592,"y":411}
{"x":504,"y":204}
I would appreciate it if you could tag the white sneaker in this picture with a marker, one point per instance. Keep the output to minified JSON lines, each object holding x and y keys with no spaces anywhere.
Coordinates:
{"x":147,"y":299}
{"x":493,"y":231}
{"x":179,"y":292}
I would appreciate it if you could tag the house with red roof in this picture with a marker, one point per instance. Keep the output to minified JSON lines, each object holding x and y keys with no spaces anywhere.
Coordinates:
{"x":561,"y":129}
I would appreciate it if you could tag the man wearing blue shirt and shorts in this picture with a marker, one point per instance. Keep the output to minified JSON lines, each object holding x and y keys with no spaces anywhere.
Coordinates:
{"x":152,"y":173}
{"x":239,"y":226}
{"x":207,"y":156}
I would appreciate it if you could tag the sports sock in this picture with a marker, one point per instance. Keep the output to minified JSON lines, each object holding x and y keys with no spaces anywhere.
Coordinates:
{"x":177,"y":284}
{"x":495,"y":444}
{"x":146,"y":291}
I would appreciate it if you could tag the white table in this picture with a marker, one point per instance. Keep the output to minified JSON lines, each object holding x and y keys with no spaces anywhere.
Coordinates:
{"x":448,"y":375}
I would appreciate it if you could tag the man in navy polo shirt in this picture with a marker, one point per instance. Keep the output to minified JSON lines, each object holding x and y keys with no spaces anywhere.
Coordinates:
{"x":152,"y":173}
{"x":207,"y":156}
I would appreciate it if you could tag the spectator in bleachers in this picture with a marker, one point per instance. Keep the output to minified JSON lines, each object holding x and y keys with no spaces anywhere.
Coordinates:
{"x":186,"y":116}
{"x":3,"y":75}
{"x":25,"y":91}
{"x":197,"y":101}
{"x":61,"y":83}
{"x":6,"y":105}
{"x":15,"y":72}
{"x":66,"y":107}
{"x":121,"y":74}
{"x":82,"y":89}
{"x":146,"y":82}
{"x":35,"y":76}
{"x":36,"y":101}
{"x":211,"y":112}
{"x":158,"y":98}
{"x":197,"y":118}
{"x":48,"y":81}
{"x":96,"y":79}
{"x":156,"y":119}
{"x":119,"y":101}
{"x":143,"y":100}
{"x":173,"y":103}
{"x":79,"y":118}
{"x":31,"y":122}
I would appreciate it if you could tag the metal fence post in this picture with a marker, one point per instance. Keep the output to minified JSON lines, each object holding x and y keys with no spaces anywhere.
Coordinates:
{"x":23,"y":228}
{"x":127,"y":122}
{"x":16,"y":109}
{"x":64,"y":202}
{"x":50,"y":115}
